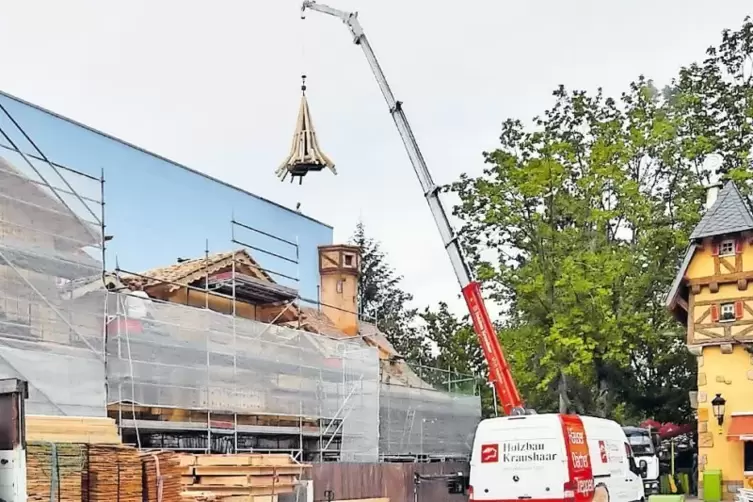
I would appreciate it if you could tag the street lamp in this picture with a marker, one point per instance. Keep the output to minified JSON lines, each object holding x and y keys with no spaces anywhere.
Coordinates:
{"x":717,"y":405}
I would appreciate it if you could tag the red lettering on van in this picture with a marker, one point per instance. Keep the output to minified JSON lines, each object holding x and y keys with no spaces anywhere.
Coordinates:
{"x":579,"y":470}
{"x":603,"y":452}
{"x":489,"y":453}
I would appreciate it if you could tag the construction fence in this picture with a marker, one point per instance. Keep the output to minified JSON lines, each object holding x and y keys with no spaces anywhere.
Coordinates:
{"x":55,"y":316}
{"x":392,"y":481}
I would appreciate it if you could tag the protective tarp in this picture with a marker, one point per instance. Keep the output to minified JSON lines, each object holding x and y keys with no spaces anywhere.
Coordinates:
{"x":49,"y":337}
{"x":175,"y":356}
{"x":424,"y":422}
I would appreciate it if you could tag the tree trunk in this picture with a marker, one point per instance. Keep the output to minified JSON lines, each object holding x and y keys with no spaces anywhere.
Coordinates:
{"x":564,"y":401}
{"x":603,"y":402}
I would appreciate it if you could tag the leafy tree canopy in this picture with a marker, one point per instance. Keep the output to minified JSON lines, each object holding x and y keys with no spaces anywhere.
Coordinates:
{"x":588,"y":213}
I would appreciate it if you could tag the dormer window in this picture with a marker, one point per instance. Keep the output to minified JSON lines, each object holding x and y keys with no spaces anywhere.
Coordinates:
{"x":348,"y":260}
{"x":727,"y":248}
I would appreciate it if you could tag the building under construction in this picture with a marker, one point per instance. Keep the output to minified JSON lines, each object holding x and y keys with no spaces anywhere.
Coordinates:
{"x":213,"y":353}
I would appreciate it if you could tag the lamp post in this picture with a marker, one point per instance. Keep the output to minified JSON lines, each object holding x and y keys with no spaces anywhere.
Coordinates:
{"x":717,"y":406}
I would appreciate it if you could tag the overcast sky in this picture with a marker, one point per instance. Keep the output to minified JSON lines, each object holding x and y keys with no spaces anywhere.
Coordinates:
{"x":215,"y":86}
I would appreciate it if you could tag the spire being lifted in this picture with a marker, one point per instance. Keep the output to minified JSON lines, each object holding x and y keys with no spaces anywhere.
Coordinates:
{"x":305,"y":154}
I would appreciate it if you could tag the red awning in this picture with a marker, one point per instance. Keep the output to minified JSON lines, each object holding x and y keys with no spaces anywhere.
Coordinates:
{"x":740,"y":428}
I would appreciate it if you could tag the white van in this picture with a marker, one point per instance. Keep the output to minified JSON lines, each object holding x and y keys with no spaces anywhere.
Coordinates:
{"x":553,"y":458}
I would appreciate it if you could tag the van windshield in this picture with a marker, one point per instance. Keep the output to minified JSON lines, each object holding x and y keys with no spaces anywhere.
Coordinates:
{"x":641,"y":443}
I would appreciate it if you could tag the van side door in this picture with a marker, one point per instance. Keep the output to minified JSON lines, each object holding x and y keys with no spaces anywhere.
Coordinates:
{"x":611,"y":458}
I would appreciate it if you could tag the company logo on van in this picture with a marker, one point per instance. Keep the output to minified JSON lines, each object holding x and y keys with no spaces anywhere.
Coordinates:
{"x":526,"y":451}
{"x":489,"y":453}
{"x":603,"y":452}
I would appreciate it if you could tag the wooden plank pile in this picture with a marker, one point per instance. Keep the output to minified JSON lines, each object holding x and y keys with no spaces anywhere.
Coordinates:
{"x":162,"y":474}
{"x":114,"y":474}
{"x":239,"y":478}
{"x":65,"y":429}
{"x":55,"y":471}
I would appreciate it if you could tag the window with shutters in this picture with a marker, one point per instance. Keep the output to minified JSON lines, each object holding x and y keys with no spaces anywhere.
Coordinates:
{"x":727,"y":248}
{"x":727,"y":312}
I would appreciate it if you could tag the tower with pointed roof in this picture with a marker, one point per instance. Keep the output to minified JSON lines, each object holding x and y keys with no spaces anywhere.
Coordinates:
{"x":712,"y":296}
{"x":305,"y":154}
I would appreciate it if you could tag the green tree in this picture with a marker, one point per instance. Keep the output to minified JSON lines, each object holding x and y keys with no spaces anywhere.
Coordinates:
{"x":459,"y":360}
{"x":458,"y":350}
{"x":382,"y":300}
{"x":587,"y":214}
{"x":457,"y":345}
{"x":713,"y":101}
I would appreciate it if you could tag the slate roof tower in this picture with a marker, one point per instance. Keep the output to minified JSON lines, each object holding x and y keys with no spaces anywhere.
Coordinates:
{"x":729,"y":214}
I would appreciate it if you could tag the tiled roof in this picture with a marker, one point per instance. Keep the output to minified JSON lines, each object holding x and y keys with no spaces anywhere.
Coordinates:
{"x":317,"y":322}
{"x":376,"y":338}
{"x":398,"y":372}
{"x":729,"y":214}
{"x":190,"y":271}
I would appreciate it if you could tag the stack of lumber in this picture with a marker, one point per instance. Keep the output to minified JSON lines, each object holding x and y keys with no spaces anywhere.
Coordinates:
{"x":55,"y":471}
{"x":114,"y":474}
{"x":239,"y":478}
{"x":162,"y":472}
{"x":64,"y":429}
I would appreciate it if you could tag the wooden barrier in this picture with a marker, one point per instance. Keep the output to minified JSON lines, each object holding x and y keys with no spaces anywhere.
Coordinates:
{"x":391,"y":481}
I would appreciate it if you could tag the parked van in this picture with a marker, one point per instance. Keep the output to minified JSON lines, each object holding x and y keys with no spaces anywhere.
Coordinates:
{"x":553,"y":458}
{"x":643,"y":443}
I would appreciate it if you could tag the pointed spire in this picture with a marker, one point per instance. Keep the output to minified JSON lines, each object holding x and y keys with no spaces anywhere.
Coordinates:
{"x":305,"y":153}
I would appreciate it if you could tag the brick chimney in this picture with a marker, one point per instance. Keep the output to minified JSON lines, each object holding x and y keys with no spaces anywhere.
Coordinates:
{"x":339,"y":268}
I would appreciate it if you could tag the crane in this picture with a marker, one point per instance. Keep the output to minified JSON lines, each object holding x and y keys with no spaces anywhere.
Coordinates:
{"x":499,"y":371}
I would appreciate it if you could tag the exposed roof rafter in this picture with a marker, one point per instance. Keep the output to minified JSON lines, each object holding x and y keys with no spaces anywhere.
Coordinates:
{"x":305,"y":153}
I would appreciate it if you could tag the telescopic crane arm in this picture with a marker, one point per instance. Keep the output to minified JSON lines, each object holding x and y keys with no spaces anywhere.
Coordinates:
{"x":499,"y":370}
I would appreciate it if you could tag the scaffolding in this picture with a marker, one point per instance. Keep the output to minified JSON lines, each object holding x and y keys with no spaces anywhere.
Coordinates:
{"x":51,"y":244}
{"x":84,"y":348}
{"x":422,"y":424}
{"x":187,"y":358}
